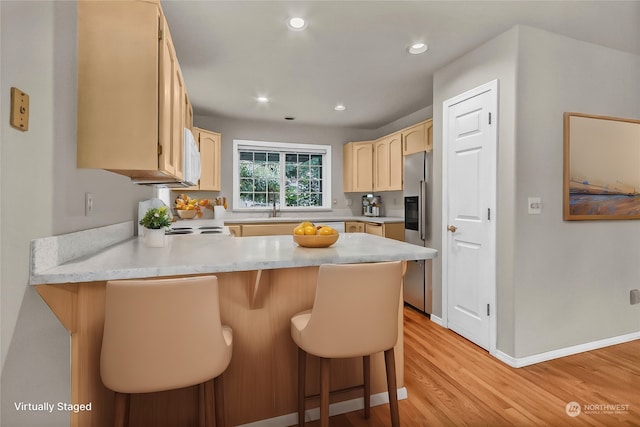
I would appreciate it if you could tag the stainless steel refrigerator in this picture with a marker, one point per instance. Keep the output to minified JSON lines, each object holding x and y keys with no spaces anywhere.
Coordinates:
{"x":417,"y":186}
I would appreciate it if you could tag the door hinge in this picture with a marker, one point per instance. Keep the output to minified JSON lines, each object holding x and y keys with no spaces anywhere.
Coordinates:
{"x":488,"y":311}
{"x":159,"y":149}
{"x":489,"y":214}
{"x":489,"y":118}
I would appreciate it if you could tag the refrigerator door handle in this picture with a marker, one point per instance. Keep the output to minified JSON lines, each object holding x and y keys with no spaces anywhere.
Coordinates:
{"x":421,"y":203}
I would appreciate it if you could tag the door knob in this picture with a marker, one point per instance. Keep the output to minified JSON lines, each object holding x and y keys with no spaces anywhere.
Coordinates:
{"x":452,"y":228}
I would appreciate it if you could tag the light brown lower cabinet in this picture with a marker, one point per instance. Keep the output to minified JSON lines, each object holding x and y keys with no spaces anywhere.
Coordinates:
{"x":393,"y":230}
{"x":354,"y":227}
{"x":268,"y":229}
{"x":235,"y":230}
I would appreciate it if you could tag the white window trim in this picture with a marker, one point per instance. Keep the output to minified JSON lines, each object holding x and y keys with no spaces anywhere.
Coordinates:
{"x":241,"y":144}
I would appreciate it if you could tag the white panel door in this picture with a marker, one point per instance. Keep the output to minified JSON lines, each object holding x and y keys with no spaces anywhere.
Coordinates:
{"x":469,"y":240}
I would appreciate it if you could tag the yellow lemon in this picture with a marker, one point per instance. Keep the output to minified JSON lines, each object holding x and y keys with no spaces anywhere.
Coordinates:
{"x":326,"y":231}
{"x":299,"y":230}
{"x":305,"y":224}
{"x":309,"y":230}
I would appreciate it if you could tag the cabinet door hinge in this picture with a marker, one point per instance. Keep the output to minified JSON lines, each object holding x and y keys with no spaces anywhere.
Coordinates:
{"x":488,"y":311}
{"x":159,"y":149}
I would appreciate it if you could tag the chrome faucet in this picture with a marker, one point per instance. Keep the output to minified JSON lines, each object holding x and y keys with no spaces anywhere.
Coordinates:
{"x":274,"y":210}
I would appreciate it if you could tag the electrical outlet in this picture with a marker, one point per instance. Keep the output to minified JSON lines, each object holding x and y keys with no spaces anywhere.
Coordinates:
{"x":88,"y":204}
{"x":634,"y":296}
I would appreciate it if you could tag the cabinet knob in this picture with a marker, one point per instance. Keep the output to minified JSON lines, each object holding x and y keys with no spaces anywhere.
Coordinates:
{"x":452,"y":228}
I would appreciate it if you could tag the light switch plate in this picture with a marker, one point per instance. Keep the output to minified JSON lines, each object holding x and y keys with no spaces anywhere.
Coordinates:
{"x":535,"y":205}
{"x":19,"y":109}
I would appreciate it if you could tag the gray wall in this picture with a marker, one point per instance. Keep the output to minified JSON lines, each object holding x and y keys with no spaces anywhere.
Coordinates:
{"x":559,"y":283}
{"x":42,"y":195}
{"x":572,"y":279}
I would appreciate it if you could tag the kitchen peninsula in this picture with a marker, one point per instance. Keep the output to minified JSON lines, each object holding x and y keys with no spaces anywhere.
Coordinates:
{"x":263,"y":281}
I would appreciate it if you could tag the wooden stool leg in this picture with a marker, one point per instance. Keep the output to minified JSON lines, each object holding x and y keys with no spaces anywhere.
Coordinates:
{"x":121,"y":418}
{"x":302,"y":372}
{"x":202,"y":414}
{"x":390,"y":362}
{"x":324,"y":392}
{"x":218,"y":392}
{"x":209,"y":403}
{"x":366,"y":373}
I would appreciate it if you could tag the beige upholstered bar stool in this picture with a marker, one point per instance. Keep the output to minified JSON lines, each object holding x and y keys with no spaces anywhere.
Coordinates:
{"x":355,"y":314}
{"x":162,"y":335}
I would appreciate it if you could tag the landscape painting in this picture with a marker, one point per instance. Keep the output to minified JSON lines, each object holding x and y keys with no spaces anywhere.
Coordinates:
{"x":601,"y":167}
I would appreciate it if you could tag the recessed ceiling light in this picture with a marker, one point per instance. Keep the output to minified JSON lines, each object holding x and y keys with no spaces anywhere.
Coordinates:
{"x":339,"y":107}
{"x":297,"y":23}
{"x":417,"y":48}
{"x":262,"y":99}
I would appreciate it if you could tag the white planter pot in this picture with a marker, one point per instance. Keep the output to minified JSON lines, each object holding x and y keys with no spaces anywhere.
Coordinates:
{"x":154,"y":238}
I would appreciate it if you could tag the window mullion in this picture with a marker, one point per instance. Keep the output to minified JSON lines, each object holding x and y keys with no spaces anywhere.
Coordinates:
{"x":282,"y":179}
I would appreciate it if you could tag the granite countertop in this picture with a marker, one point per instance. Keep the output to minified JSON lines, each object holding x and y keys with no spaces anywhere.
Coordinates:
{"x":202,"y":254}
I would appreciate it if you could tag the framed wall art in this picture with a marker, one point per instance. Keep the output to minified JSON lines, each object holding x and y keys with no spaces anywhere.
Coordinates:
{"x":601,"y":167}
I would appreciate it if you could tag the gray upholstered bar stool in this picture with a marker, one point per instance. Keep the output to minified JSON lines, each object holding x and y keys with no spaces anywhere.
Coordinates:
{"x":355,"y":314}
{"x":162,"y":335}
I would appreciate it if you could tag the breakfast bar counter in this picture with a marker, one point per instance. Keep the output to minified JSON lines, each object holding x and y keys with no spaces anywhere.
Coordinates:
{"x":263,"y":281}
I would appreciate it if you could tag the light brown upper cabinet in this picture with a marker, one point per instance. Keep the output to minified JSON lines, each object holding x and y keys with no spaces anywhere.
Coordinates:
{"x":209,"y":143}
{"x":417,"y":138}
{"x":357,"y":166}
{"x":377,"y":165}
{"x":387,"y":163}
{"x":131,"y":94}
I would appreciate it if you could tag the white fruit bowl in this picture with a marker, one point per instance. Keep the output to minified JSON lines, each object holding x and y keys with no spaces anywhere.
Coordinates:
{"x":187,"y":214}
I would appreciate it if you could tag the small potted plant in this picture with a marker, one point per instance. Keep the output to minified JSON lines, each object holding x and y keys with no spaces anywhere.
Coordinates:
{"x":154,"y":222}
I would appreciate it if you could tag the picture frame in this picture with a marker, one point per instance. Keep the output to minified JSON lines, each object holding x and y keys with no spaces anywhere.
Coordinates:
{"x":601,"y":167}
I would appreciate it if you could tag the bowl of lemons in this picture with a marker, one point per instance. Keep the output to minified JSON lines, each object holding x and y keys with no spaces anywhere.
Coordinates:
{"x":309,"y":235}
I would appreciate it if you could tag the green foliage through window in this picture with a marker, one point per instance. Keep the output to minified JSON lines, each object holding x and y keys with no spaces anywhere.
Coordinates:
{"x":292,"y":178}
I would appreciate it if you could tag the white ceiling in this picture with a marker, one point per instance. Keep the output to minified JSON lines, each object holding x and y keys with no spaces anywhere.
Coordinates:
{"x":353,"y":52}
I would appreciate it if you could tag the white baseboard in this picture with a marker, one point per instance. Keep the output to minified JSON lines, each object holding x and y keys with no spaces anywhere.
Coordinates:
{"x":436,"y":320}
{"x":334,"y":409}
{"x":519,"y":362}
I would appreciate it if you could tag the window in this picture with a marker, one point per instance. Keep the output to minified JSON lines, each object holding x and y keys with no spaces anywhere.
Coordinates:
{"x":293,"y":176}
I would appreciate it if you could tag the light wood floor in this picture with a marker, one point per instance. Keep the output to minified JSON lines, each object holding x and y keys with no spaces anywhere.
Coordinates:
{"x":452,"y":382}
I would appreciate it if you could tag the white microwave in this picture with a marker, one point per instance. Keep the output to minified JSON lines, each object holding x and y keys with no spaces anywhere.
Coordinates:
{"x":191,"y":167}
